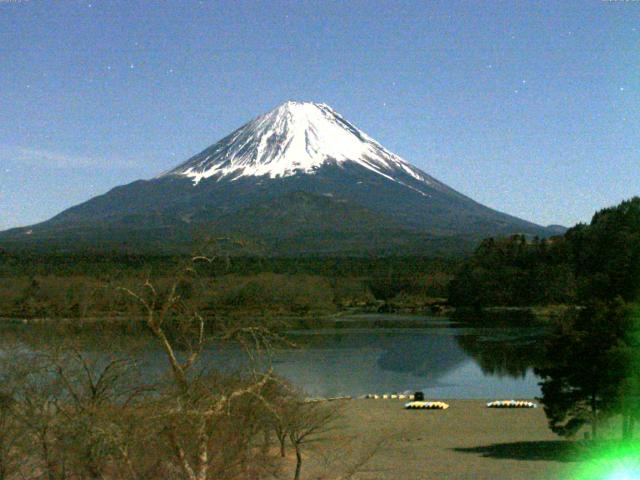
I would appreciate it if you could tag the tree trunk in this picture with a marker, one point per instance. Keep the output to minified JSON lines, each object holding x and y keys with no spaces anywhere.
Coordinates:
{"x":203,"y":452}
{"x":298,"y":463}
{"x":182,"y":458}
{"x":266,"y":441}
{"x":594,"y":417}
{"x":49,"y":463}
{"x":282,"y":442}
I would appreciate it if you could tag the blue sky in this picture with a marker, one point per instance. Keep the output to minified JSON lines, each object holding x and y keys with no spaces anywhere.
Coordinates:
{"x":528,"y":107}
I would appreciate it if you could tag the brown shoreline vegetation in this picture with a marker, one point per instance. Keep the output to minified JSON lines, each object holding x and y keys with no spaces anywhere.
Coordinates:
{"x":67,"y":413}
{"x":264,"y":294}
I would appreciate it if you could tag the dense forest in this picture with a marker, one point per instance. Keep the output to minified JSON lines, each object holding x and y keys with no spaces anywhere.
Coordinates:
{"x":589,"y":366}
{"x":596,"y":261}
{"x":78,"y":286}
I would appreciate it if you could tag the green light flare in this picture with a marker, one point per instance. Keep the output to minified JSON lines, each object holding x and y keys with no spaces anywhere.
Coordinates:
{"x":614,"y":462}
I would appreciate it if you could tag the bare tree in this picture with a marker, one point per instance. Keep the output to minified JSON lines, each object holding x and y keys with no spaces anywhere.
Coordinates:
{"x":308,"y":423}
{"x":10,"y":435}
{"x":348,"y":455}
{"x":39,"y":416}
{"x":193,"y":407}
{"x":60,"y":408}
{"x":280,"y":400}
{"x":71,"y":412}
{"x":96,"y":394}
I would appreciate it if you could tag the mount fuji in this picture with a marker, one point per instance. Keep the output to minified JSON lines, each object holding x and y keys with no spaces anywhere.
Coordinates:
{"x":299,"y":179}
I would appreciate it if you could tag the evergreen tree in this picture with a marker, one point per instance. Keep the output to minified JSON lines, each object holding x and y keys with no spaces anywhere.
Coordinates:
{"x":629,"y":392}
{"x":585,"y":366}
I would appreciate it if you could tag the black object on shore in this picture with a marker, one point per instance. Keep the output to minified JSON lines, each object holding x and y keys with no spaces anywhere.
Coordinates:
{"x":418,"y":396}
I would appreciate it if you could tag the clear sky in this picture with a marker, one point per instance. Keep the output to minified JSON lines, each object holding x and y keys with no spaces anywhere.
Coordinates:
{"x":529,"y":107}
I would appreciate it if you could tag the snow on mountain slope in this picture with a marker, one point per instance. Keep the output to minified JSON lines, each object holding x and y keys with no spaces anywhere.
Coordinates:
{"x":299,"y":179}
{"x":297,"y":137}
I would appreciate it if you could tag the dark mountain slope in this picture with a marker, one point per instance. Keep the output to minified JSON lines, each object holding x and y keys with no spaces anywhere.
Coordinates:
{"x":298,"y":179}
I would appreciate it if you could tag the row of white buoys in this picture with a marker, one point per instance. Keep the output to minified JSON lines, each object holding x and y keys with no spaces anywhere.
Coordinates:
{"x":389,"y":396}
{"x":417,"y":401}
{"x":326,"y":399}
{"x":422,"y":405}
{"x":511,"y":404}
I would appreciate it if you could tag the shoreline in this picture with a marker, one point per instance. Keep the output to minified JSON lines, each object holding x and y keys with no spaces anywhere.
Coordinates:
{"x":411,"y":318}
{"x":466,"y":441}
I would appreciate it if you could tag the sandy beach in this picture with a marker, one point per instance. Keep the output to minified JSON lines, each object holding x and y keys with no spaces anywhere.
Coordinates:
{"x":467,"y":441}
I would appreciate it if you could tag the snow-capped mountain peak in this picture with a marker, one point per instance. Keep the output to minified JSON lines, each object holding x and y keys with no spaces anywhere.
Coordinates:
{"x":296,"y":137}
{"x":299,"y":179}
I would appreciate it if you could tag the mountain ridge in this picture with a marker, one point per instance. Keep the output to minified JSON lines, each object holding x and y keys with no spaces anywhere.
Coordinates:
{"x":299,"y":159}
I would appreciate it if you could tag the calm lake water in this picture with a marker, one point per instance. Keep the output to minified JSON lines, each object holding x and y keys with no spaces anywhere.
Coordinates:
{"x":441,"y":358}
{"x":442,"y":361}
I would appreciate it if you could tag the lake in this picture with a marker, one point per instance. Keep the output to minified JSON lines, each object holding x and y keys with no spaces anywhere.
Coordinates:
{"x":442,"y":358}
{"x":443,"y":361}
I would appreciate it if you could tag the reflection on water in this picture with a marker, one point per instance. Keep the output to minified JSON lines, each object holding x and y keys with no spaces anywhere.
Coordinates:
{"x":449,"y":362}
{"x":444,"y":359}
{"x":365,"y":361}
{"x":504,"y":353}
{"x":430,"y":356}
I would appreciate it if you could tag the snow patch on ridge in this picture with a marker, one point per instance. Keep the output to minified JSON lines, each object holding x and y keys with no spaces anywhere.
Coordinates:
{"x":296,"y":137}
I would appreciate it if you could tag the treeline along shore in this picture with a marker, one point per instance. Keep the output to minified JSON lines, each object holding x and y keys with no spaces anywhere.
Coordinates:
{"x":595,"y":261}
{"x":86,"y":285}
